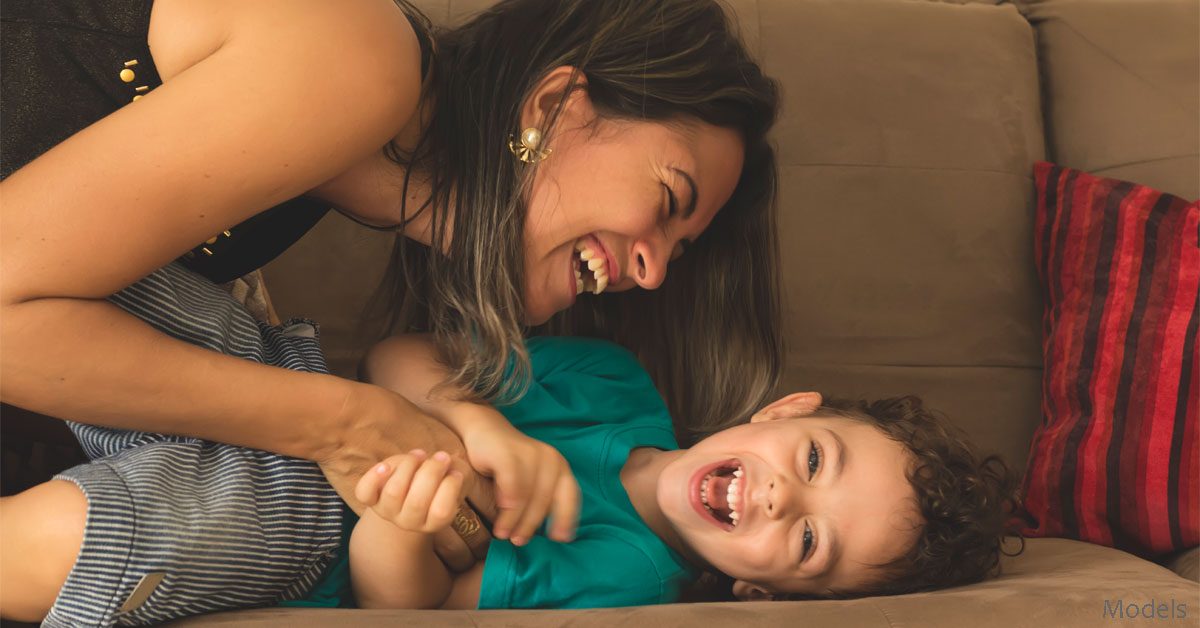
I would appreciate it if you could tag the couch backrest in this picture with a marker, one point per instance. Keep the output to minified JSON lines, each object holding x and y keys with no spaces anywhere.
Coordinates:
{"x":908,"y":134}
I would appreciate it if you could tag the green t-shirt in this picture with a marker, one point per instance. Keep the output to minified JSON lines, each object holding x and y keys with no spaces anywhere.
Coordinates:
{"x":592,"y":401}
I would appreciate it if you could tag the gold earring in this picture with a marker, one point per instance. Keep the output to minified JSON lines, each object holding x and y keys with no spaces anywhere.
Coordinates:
{"x":528,"y":150}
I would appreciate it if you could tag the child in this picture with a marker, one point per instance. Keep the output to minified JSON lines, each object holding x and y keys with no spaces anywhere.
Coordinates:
{"x":801,"y":501}
{"x":828,"y":505}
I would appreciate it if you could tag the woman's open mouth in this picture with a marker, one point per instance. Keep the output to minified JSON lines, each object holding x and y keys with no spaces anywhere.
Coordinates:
{"x":590,"y":266}
{"x":716,"y":493}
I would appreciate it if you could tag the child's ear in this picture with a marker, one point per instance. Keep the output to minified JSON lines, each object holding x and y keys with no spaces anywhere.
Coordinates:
{"x":793,"y":405}
{"x":746,"y":592}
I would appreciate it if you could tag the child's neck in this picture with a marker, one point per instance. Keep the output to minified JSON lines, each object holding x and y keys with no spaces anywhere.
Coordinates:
{"x":639,"y":476}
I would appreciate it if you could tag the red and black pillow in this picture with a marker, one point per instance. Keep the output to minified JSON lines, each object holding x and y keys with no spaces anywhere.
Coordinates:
{"x":1114,"y":460}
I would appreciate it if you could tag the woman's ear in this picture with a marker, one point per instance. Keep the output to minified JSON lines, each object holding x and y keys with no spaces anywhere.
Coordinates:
{"x":545,"y":97}
{"x":746,"y":592}
{"x":793,"y":405}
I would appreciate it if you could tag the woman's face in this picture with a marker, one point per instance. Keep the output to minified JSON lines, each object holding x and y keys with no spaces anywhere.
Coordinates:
{"x":617,"y":201}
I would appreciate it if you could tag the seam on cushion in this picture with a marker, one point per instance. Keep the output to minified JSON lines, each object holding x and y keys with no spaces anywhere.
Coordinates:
{"x":1110,"y":57}
{"x":1143,"y":161}
{"x":891,"y":167}
{"x":762,"y":49}
{"x":883,"y":612}
{"x":919,"y":366}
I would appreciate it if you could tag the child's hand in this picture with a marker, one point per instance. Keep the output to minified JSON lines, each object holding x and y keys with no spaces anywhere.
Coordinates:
{"x":532,"y":479}
{"x":414,"y":491}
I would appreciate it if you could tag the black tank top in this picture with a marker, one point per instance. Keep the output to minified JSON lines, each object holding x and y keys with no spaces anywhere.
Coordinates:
{"x":68,"y":63}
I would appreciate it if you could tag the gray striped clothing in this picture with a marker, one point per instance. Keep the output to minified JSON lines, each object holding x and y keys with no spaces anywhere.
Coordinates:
{"x":201,"y":526}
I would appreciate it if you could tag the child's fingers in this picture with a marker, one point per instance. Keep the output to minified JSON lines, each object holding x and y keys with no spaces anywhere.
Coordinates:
{"x":421,"y":491}
{"x":512,"y":496}
{"x":564,"y":511}
{"x":535,"y":511}
{"x":395,"y":491}
{"x":445,"y":502}
{"x":368,"y":488}
{"x":369,"y":485}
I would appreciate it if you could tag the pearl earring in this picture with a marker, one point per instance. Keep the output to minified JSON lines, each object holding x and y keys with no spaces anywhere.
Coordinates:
{"x":528,"y":151}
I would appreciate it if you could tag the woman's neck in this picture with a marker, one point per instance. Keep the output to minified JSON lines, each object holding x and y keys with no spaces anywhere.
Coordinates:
{"x":370,"y":190}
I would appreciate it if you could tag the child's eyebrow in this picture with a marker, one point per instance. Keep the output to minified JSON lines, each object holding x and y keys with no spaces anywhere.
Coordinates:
{"x":841,"y":451}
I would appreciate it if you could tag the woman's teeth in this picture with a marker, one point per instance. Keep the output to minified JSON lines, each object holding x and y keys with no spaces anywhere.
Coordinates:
{"x":595,"y":280}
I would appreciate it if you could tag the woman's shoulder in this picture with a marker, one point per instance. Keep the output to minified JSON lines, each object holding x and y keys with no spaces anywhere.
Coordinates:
{"x":365,"y":45}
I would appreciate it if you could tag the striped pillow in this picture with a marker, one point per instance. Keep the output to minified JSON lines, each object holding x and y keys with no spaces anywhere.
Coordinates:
{"x":1114,"y":461}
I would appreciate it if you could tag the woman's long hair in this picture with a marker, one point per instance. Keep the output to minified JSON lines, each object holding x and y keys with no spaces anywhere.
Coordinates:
{"x":710,"y":335}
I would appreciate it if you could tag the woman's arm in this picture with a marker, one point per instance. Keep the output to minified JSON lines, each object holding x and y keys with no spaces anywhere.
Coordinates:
{"x":207,"y":149}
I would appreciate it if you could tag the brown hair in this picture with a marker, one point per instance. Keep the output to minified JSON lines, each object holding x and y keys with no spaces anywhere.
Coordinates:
{"x":669,"y":61}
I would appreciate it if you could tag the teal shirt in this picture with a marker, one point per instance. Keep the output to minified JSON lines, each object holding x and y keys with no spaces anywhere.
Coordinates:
{"x":593,"y":402}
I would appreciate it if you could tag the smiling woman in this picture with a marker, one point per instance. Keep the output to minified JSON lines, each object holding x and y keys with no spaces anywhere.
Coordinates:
{"x":496,"y":150}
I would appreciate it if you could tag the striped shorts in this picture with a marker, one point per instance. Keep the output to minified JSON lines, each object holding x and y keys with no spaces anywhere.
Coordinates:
{"x":180,"y":526}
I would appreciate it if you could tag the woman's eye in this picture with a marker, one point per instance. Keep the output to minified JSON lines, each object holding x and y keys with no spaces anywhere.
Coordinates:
{"x":671,"y":206}
{"x":808,"y":541}
{"x":814,"y":460}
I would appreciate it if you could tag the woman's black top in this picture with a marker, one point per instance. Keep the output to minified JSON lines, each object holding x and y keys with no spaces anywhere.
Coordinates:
{"x":67,"y":63}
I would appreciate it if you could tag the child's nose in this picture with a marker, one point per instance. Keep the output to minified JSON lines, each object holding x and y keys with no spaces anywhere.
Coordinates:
{"x":780,"y":498}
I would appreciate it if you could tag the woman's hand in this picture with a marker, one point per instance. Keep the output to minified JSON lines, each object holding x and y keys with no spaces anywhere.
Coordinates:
{"x":376,"y":424}
{"x":532,"y":480}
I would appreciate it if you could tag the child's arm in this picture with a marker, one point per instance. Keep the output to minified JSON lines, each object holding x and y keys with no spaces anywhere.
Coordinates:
{"x":532,"y":478}
{"x":392,"y":561}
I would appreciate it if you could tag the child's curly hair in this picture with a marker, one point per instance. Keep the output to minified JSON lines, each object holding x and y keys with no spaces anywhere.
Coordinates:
{"x":967,"y":505}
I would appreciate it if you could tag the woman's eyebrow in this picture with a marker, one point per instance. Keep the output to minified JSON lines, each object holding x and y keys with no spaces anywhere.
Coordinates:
{"x":691,"y":206}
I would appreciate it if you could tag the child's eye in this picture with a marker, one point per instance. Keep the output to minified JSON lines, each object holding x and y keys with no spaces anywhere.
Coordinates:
{"x":814,"y":460}
{"x":808,"y":541}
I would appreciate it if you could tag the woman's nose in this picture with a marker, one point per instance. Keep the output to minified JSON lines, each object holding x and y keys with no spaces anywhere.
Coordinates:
{"x":649,"y":267}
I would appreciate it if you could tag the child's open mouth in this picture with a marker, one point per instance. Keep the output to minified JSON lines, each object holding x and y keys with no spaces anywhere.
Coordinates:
{"x":717,"y":493}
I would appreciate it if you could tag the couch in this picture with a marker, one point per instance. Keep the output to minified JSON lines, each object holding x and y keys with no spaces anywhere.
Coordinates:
{"x":908,"y":134}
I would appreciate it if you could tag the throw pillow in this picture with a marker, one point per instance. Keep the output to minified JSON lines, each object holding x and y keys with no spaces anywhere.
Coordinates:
{"x":1114,"y":460}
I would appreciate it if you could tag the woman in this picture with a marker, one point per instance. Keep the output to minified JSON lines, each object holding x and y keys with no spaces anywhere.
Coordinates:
{"x":503,"y":151}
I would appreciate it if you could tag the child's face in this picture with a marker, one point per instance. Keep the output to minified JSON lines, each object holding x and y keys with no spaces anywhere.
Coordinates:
{"x":816,"y":499}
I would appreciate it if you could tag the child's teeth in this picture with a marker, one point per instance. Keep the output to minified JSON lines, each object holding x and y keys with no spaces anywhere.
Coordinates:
{"x":586,"y":254}
{"x":734,"y":517}
{"x":737,"y":473}
{"x":595,"y":263}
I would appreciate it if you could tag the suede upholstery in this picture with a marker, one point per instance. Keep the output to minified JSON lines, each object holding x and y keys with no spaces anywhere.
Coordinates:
{"x":906,"y":143}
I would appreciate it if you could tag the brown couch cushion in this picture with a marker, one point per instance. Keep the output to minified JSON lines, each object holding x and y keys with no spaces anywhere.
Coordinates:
{"x":906,"y":207}
{"x":1056,"y":582}
{"x":1122,"y":88}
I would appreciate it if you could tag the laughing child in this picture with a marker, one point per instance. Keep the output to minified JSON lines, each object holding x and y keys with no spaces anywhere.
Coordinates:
{"x":804,"y":501}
